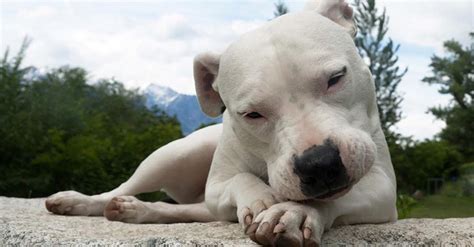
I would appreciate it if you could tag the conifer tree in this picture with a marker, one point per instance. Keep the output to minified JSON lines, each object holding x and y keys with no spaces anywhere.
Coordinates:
{"x":454,"y":73}
{"x":379,"y":51}
{"x":280,"y":8}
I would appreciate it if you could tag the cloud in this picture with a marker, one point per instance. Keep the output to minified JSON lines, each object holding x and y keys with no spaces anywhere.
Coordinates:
{"x":36,"y":13}
{"x":421,"y":27}
{"x":418,"y":97}
{"x":174,"y":26}
{"x":155,"y":41}
{"x":429,"y":23}
{"x":156,"y":48}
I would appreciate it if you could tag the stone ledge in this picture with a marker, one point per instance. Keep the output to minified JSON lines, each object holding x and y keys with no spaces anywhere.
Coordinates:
{"x":25,"y":222}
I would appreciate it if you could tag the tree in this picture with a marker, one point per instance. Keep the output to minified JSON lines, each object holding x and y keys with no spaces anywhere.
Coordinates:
{"x":380,"y":54}
{"x":60,"y":133}
{"x":420,"y":161}
{"x":454,"y":74}
{"x":280,"y":8}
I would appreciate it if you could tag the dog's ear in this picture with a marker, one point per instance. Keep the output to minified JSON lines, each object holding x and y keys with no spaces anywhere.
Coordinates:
{"x":336,"y":10}
{"x":206,"y":68}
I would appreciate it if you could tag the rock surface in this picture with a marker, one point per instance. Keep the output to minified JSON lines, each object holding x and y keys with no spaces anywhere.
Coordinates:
{"x":25,"y":222}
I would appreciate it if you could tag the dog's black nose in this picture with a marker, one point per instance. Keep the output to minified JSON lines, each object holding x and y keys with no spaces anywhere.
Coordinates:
{"x":321,"y":171}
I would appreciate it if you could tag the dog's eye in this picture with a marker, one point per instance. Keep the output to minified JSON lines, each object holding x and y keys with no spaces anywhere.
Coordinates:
{"x":336,"y":77}
{"x":334,"y":80}
{"x":253,"y":115}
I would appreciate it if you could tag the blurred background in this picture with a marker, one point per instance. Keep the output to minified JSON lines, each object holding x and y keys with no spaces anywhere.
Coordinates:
{"x":89,"y":88}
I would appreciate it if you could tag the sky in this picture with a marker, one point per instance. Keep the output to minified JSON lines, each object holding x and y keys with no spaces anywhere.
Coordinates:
{"x":143,"y":42}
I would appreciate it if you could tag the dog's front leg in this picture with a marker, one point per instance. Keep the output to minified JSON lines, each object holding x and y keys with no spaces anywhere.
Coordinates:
{"x":234,"y":193}
{"x":372,"y":200}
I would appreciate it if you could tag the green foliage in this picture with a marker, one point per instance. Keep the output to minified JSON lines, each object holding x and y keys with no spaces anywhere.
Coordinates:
{"x":405,"y":204}
{"x":467,"y":184}
{"x":60,"y":132}
{"x":454,"y":74}
{"x":415,"y":162}
{"x":463,"y":187}
{"x":418,"y":161}
{"x":452,"y":189}
{"x":380,"y":54}
{"x":467,"y":169}
{"x":466,"y":172}
{"x":280,"y":8}
{"x":443,"y":206}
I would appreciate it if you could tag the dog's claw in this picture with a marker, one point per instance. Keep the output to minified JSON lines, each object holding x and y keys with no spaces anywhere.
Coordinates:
{"x":264,"y":234}
{"x":279,"y":228}
{"x":287,"y":224}
{"x":310,"y":243}
{"x":286,"y":240}
{"x":306,"y":233}
{"x":248,"y":220}
{"x":251,"y":229}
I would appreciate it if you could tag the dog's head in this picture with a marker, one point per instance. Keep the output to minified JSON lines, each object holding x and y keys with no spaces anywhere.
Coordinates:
{"x":298,"y":95}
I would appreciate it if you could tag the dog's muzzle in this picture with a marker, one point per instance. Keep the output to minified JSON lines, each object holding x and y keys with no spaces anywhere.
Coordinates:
{"x":321,"y":171}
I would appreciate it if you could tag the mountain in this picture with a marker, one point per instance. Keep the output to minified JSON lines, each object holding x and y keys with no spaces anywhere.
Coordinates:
{"x":184,"y":107}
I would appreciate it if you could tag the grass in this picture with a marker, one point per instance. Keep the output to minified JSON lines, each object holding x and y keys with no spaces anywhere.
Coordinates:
{"x":451,"y":202}
{"x":443,"y":206}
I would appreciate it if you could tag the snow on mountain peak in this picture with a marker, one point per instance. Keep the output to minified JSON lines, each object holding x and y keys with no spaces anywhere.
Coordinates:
{"x":162,"y":95}
{"x":184,"y":107}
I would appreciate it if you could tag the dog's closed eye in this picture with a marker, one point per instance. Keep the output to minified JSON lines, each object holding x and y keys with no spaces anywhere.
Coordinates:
{"x":252,"y":115}
{"x":335,"y":78}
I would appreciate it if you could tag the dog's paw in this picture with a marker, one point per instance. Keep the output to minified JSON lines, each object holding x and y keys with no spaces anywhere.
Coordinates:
{"x":287,"y":224}
{"x":127,"y":209}
{"x":248,"y":211}
{"x":73,"y":203}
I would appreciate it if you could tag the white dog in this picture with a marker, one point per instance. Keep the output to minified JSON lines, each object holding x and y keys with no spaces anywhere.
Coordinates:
{"x":301,"y":148}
